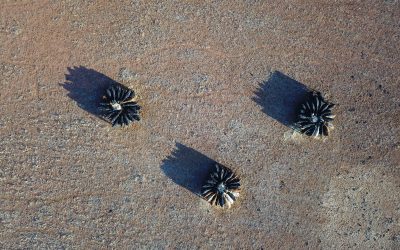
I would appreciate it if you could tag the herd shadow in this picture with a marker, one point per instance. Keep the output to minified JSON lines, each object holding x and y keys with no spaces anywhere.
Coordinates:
{"x":187,"y":168}
{"x":280,"y":96}
{"x":86,"y":87}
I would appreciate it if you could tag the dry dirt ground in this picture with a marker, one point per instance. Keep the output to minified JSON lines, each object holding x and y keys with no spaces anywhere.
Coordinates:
{"x":216,"y":80}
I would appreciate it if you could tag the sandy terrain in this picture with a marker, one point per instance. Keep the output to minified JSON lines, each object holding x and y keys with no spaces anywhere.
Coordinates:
{"x":216,"y":80}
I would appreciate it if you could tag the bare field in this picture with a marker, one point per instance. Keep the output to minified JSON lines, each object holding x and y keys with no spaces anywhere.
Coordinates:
{"x":214,"y":79}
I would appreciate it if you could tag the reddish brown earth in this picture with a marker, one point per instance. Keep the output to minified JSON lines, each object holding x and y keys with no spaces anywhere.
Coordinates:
{"x":213,"y":78}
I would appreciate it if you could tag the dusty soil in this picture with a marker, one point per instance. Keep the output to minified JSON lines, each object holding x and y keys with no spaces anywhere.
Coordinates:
{"x":215,"y":80}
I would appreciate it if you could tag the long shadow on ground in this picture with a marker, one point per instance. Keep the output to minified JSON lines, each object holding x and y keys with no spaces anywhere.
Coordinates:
{"x":86,"y":87}
{"x":280,"y":97}
{"x":187,"y":168}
